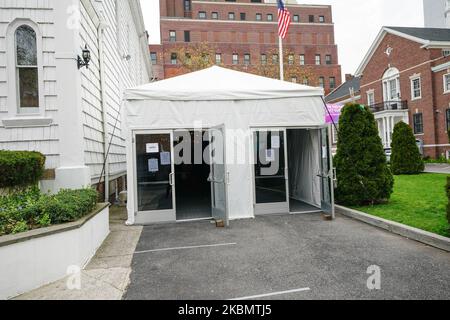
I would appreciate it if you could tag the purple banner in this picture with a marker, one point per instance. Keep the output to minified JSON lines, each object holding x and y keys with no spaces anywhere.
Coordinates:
{"x":333,"y":113}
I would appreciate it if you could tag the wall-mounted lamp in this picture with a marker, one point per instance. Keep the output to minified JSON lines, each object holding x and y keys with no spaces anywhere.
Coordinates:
{"x":85,"y":58}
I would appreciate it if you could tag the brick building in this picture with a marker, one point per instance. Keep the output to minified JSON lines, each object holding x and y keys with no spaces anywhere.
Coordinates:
{"x":405,"y":76}
{"x":244,"y":34}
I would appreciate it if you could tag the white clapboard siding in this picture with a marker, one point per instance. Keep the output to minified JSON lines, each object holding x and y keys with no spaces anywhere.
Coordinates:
{"x":120,"y":38}
{"x":43,"y":139}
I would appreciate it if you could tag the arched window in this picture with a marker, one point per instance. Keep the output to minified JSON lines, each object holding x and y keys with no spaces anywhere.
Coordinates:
{"x":391,"y":85}
{"x":27,"y":68}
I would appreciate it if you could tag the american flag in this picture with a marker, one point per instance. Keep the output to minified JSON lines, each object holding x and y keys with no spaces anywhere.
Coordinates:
{"x":284,"y":19}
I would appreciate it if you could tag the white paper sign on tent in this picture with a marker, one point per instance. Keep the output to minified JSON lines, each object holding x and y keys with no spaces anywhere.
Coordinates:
{"x":165,"y":158}
{"x":275,"y":142}
{"x":152,"y":148}
{"x":153,"y":165}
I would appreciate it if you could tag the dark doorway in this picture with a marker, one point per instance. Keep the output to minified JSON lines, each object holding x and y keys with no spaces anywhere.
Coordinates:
{"x":193,"y":190}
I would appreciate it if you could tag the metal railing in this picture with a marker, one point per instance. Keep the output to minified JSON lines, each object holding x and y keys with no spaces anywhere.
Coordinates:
{"x":389,"y":105}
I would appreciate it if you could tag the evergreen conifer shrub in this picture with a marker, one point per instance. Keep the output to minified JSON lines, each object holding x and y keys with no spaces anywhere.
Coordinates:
{"x":405,"y":157}
{"x":362,"y":171}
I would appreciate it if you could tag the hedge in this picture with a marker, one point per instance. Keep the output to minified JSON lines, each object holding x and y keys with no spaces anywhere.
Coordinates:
{"x":29,"y":209}
{"x":20,"y":168}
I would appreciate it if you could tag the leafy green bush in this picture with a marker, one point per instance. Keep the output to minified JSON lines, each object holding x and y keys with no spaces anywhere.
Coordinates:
{"x":362,"y":171}
{"x":29,"y":209}
{"x":406,"y":157}
{"x":20,"y":168}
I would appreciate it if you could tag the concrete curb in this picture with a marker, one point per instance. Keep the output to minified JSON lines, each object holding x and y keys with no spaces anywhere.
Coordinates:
{"x":426,"y":237}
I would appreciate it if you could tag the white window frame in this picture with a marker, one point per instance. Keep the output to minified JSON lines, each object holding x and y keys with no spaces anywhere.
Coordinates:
{"x":13,"y":83}
{"x":390,"y":77}
{"x":318,"y":60}
{"x":233,"y":60}
{"x":445,"y":83}
{"x":412,"y":79}
{"x":334,"y":132}
{"x":302,"y":59}
{"x":370,"y":97}
{"x":218,"y":58}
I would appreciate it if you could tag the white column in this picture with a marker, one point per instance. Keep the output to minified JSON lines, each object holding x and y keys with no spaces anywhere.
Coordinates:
{"x":72,"y":171}
{"x":389,"y":130}
{"x":384,"y":131}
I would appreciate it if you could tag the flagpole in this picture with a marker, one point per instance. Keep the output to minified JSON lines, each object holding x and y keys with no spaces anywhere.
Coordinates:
{"x":281,"y":58}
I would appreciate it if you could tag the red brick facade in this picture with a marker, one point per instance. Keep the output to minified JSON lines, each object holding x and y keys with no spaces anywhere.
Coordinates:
{"x":412,"y":61}
{"x":249,"y":36}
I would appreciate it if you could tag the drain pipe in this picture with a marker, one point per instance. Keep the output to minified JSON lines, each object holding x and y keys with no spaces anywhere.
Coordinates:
{"x":100,"y":31}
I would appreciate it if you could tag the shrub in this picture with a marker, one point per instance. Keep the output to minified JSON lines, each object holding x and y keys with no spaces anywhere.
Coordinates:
{"x":362,"y":171}
{"x":29,"y":209}
{"x":19,"y":169}
{"x":406,"y":157}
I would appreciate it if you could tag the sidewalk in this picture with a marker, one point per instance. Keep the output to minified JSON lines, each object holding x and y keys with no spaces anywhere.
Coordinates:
{"x":437,"y":168}
{"x":107,"y":275}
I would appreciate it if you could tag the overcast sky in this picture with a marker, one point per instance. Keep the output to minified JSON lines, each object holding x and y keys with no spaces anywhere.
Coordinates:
{"x":357,"y":22}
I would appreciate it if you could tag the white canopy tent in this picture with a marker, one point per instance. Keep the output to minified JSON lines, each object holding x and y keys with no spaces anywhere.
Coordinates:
{"x":238,"y":103}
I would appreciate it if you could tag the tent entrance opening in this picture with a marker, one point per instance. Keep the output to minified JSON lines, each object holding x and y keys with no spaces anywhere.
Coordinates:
{"x":193,"y":191}
{"x":303,"y":166}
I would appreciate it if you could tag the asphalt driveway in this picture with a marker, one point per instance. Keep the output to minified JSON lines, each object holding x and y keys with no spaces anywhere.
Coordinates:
{"x":284,"y":257}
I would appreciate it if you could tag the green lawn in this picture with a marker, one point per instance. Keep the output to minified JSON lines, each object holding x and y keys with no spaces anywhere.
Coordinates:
{"x":418,"y":201}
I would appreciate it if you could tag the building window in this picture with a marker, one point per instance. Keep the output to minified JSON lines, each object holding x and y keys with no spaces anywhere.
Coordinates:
{"x":202,"y":15}
{"x":370,"y":98}
{"x":334,"y":129}
{"x":247,"y":59}
{"x":154,"y":57}
{"x":332,"y":83}
{"x":270,"y":17}
{"x":311,"y":18}
{"x":214,"y":15}
{"x":187,"y":36}
{"x":291,"y":59}
{"x":243,"y":16}
{"x":447,"y":83}
{"x":296,"y":18}
{"x":322,"y":82}
{"x":258,"y":17}
{"x":256,"y":1}
{"x":230,"y":15}
{"x":27,"y":68}
{"x":416,"y":88}
{"x":448,"y":118}
{"x":318,"y":60}
{"x":321,"y":19}
{"x":263,"y":59}
{"x":173,"y":58}
{"x":391,"y":85}
{"x":446,"y":52}
{"x":187,"y":5}
{"x":218,"y":58}
{"x":418,"y":123}
{"x":235,"y":58}
{"x":328,"y":59}
{"x":172,"y":36}
{"x":302,"y":59}
{"x":274,"y":58}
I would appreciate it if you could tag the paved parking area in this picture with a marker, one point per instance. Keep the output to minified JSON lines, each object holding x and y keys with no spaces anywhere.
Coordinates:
{"x":268,"y":257}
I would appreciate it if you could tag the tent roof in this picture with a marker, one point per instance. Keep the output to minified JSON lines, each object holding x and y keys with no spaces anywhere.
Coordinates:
{"x":216,"y":83}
